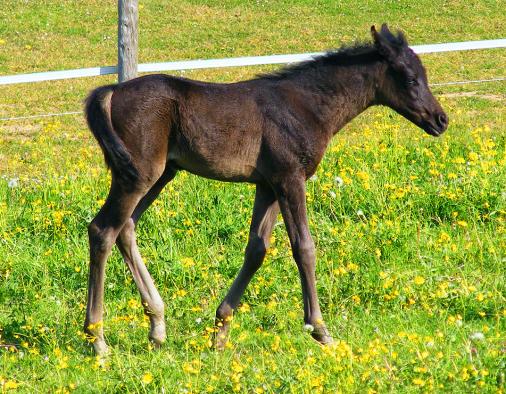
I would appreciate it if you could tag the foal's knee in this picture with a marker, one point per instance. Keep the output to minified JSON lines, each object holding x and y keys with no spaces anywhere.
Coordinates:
{"x":305,"y":251}
{"x":127,"y":234}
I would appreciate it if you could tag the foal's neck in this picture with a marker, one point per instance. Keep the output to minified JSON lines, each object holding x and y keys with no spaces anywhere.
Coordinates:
{"x":341,"y":92}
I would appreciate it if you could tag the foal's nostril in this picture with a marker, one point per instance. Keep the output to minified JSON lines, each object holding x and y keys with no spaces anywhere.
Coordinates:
{"x":442,"y":120}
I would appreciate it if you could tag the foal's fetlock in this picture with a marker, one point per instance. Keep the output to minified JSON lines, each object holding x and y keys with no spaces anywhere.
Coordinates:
{"x":101,"y":348}
{"x":222,"y":327}
{"x":95,"y":335}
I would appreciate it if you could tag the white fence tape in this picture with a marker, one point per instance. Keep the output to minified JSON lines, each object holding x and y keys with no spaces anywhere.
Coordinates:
{"x":230,"y":62}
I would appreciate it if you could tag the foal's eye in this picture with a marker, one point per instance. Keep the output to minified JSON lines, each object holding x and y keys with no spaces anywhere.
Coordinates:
{"x":411,"y":82}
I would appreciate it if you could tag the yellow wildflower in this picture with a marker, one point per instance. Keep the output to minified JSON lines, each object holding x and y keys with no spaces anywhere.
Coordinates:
{"x":147,"y":378}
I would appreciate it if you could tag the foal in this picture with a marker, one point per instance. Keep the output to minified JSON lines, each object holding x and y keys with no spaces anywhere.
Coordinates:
{"x":271,"y":131}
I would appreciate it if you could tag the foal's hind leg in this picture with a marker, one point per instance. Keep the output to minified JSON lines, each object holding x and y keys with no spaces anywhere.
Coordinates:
{"x":102,"y":233}
{"x":265,"y":211}
{"x":151,"y":300}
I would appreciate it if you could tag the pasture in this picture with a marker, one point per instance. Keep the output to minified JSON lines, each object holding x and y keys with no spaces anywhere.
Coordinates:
{"x":410,"y":230}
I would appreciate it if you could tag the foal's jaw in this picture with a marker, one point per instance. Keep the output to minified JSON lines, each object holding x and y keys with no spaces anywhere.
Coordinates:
{"x":434,"y":123}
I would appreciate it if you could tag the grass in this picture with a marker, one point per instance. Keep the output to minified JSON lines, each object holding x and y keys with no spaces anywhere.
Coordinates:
{"x":411,"y":247}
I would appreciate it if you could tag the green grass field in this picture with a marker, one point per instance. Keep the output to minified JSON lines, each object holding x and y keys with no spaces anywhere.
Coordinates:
{"x":411,"y":247}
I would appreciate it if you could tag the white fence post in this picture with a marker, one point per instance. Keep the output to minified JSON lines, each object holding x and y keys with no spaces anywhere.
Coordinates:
{"x":128,"y":18}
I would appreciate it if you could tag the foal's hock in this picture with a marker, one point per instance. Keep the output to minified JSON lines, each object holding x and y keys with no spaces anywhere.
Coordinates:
{"x":271,"y":131}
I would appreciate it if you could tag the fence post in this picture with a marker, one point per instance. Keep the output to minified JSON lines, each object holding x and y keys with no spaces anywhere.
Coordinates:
{"x":128,"y":18}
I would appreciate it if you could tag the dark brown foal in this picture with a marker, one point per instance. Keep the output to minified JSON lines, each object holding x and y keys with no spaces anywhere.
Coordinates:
{"x":271,"y":131}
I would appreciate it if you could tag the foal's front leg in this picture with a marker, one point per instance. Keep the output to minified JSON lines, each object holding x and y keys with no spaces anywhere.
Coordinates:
{"x":291,"y":194}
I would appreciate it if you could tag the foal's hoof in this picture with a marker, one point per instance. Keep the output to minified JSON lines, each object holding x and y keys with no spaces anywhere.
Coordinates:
{"x":323,"y":338}
{"x":221,"y":334}
{"x":320,"y":334}
{"x":157,"y":335}
{"x":220,"y":339}
{"x":101,"y":348}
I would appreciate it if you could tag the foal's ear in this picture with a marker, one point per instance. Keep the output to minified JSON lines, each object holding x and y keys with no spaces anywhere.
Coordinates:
{"x":384,"y":44}
{"x":388,"y":45}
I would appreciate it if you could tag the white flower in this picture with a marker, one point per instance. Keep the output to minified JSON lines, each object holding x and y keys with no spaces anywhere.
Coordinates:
{"x":338,"y":181}
{"x":477,"y":336}
{"x":308,"y":328}
{"x":332,"y":194}
{"x":198,"y":320}
{"x":313,"y":178}
{"x":14,"y":182}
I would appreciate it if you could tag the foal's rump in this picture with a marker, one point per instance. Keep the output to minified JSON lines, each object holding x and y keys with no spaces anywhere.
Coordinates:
{"x":132,"y":123}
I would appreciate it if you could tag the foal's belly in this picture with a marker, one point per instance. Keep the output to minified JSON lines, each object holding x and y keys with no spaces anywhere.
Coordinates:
{"x":235,"y":173}
{"x":220,"y":167}
{"x":226,"y":152}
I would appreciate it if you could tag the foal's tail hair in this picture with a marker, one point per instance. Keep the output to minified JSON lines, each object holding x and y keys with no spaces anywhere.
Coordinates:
{"x":98,"y":116}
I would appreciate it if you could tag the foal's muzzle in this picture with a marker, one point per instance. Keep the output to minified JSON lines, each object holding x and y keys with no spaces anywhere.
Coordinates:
{"x":437,"y":125}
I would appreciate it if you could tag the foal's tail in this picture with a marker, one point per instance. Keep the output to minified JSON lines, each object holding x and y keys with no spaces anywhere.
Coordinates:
{"x":116,"y":155}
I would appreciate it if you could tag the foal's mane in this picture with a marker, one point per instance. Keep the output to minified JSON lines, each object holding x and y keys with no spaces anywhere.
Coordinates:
{"x":358,"y":53}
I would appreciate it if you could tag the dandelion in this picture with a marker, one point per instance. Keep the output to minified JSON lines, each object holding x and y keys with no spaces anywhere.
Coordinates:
{"x":419,"y":280}
{"x":187,"y":262}
{"x":275,"y":343}
{"x":477,"y":336}
{"x":339,"y":181}
{"x":14,"y":182}
{"x":147,"y":378}
{"x":133,"y":304}
{"x":10,"y":385}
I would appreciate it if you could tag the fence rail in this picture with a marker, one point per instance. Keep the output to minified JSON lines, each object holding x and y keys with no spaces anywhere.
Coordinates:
{"x":230,"y":62}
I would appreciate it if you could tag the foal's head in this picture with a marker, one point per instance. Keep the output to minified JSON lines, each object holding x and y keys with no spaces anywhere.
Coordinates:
{"x":405,"y":88}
